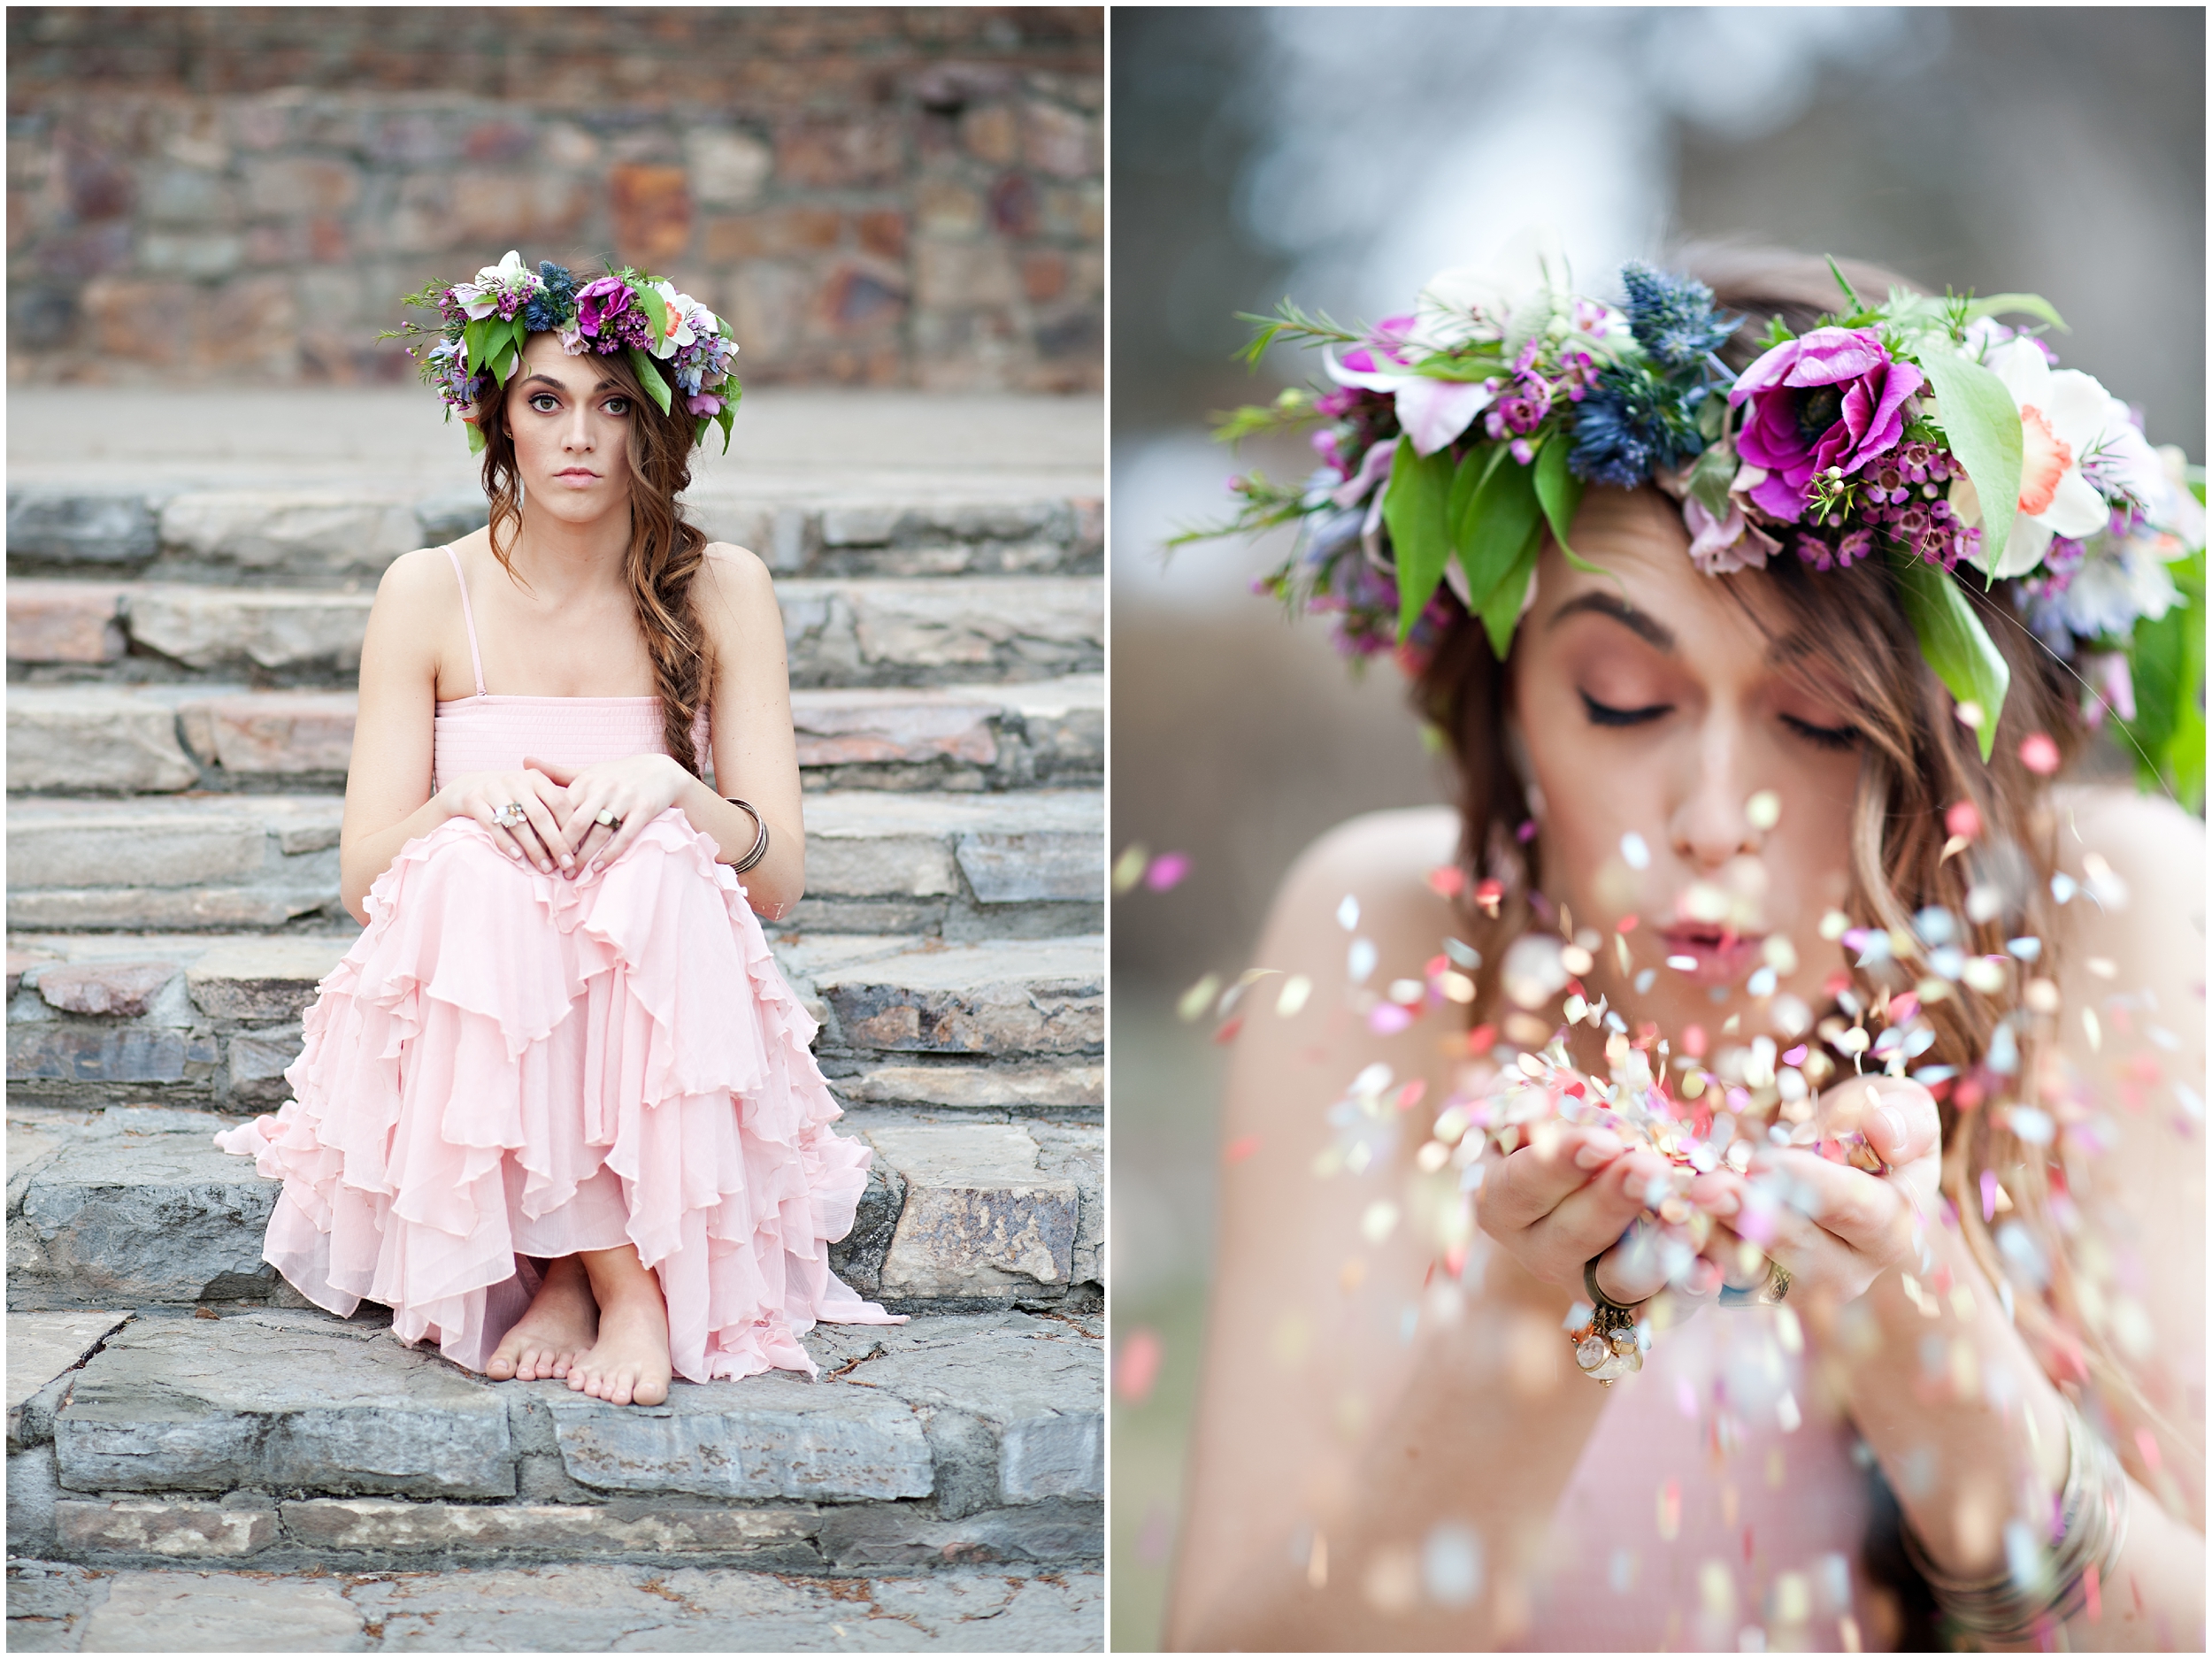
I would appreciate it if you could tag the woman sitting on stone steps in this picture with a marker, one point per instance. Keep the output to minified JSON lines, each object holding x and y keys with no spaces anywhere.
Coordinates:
{"x":557,"y":1108}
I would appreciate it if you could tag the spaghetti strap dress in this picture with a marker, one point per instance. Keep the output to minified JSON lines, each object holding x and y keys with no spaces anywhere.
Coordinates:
{"x":511,"y":1065}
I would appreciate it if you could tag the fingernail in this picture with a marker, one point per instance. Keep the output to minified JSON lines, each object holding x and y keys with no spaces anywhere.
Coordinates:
{"x":1895,"y":1119}
{"x":1590,"y":1158}
{"x":1723,"y":1204}
{"x":598,"y":864}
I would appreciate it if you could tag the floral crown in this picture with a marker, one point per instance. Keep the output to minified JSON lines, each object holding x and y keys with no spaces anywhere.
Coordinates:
{"x":676,"y":347}
{"x":1920,"y":431}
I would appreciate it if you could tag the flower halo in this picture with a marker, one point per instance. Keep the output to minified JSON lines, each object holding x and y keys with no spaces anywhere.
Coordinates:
{"x":679,"y":349}
{"x":1921,"y":431}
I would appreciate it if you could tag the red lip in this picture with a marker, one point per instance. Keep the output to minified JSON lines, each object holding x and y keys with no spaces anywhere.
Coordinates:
{"x":1718,"y":956}
{"x":575,"y":472}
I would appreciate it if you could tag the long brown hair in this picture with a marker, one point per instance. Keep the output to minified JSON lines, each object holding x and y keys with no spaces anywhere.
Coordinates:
{"x":1916,"y":762}
{"x":666,"y":554}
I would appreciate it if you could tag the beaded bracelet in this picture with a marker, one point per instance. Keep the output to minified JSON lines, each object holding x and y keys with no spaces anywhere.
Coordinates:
{"x":2092,"y":1507}
{"x":760,"y":841}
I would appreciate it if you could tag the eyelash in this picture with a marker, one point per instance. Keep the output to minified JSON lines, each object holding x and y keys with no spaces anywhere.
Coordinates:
{"x":1602,"y":715}
{"x":1823,"y":736}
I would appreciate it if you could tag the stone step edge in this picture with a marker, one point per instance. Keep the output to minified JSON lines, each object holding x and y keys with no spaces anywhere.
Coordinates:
{"x":150,"y":740}
{"x":373,"y":1533}
{"x":847,"y":631}
{"x":70,"y":525}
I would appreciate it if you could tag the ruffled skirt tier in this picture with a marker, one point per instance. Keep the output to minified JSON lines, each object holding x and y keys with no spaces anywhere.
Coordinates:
{"x":509,"y":1065}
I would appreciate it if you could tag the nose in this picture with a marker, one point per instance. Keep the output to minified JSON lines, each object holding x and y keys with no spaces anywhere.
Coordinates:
{"x":576,"y":433}
{"x":1707,"y":825}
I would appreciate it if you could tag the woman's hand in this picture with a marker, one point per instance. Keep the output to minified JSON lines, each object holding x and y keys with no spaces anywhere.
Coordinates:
{"x":483,"y":795}
{"x":636,"y":790}
{"x":1575,"y":1192}
{"x":1836,"y":1228}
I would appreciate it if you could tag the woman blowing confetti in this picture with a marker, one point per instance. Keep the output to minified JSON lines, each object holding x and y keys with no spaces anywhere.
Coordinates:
{"x":1737,"y":1182}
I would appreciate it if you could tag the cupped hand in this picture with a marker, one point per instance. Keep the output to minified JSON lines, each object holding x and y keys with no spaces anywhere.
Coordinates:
{"x":484,"y":796}
{"x":635,"y":791}
{"x":1836,"y":1228}
{"x":1576,"y":1192}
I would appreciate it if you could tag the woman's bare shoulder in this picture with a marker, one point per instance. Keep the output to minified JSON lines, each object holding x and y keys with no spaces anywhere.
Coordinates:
{"x":2131,"y":831}
{"x":1381,"y":859}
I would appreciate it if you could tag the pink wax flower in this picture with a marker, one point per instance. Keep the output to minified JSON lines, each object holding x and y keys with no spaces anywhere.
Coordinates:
{"x":1831,"y":398}
{"x":703,"y":403}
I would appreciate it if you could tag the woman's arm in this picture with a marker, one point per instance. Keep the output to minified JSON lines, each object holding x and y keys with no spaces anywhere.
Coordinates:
{"x":756,"y":750}
{"x":1326,"y":1442}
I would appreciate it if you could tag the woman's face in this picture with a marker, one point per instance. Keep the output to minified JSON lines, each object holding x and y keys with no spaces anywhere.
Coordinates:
{"x":571,"y":424}
{"x":1682,"y":775}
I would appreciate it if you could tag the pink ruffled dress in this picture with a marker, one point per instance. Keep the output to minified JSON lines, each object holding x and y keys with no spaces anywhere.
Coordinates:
{"x":510,"y":1064}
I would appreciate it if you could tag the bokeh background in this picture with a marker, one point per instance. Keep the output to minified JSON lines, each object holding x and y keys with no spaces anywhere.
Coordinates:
{"x":1345,"y":155}
{"x":871,"y":195}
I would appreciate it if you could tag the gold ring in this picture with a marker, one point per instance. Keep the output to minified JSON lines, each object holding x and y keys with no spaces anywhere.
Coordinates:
{"x":1607,"y":1345}
{"x":1765,"y":1294}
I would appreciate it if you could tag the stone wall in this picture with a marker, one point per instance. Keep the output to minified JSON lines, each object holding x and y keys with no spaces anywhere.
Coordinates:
{"x":871,"y":195}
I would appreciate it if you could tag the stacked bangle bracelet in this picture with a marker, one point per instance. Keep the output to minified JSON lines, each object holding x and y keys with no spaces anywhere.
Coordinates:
{"x":2055,"y":1583}
{"x":760,"y":841}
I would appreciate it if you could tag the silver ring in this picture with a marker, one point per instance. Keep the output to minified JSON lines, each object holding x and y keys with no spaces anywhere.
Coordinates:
{"x":607,"y":816}
{"x":510,"y":815}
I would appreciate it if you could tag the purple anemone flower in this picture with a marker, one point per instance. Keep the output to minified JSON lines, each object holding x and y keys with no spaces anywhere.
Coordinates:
{"x":608,"y":298}
{"x":1832,"y":399}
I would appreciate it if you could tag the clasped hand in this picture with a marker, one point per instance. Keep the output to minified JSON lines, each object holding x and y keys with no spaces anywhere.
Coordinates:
{"x":559,"y":826}
{"x":1577,"y":1192}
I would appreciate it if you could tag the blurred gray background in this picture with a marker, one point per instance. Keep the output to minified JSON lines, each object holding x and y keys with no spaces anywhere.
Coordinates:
{"x":1343,"y":156}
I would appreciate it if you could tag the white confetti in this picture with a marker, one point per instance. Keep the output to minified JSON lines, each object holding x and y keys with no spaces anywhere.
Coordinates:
{"x":1763,"y":811}
{"x":1348,"y":913}
{"x":1635,"y":852}
{"x":1359,"y":962}
{"x":1293,"y":997}
{"x":1681,"y":964}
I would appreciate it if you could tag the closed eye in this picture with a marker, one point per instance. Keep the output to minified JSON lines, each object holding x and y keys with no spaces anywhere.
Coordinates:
{"x":1601,"y":714}
{"x":1825,"y":736}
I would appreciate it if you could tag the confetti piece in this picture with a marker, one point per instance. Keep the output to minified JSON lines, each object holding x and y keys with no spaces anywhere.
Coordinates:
{"x":2103,"y":967}
{"x":1482,"y":1039}
{"x":1359,"y":961}
{"x":1626,"y":924}
{"x":1763,"y":811}
{"x":1526,"y":832}
{"x":1488,"y":893}
{"x":1969,"y":715}
{"x":1952,"y":848}
{"x":2039,"y":753}
{"x":1165,"y":871}
{"x":1348,"y":913}
{"x":1670,"y":1510}
{"x":2147,"y":1443}
{"x":1129,"y":868}
{"x":1463,"y":954}
{"x":1634,"y":852}
{"x":1387,"y":1020}
{"x":1447,"y":880}
{"x":1378,"y":1221}
{"x":1196,"y":1001}
{"x":2092,"y":1029}
{"x":1847,"y":1630}
{"x":1242,"y":1148}
{"x":1410,"y":1096}
{"x":1457,"y":988}
{"x":1137,"y":1367}
{"x":1226,"y":1032}
{"x":1293,"y":996}
{"x":1645,"y":980}
{"x":1680,"y":964}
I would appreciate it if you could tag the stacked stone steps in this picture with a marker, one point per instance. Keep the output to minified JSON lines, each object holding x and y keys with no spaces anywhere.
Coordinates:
{"x":154,"y":738}
{"x":185,"y":620}
{"x":287,"y":1438}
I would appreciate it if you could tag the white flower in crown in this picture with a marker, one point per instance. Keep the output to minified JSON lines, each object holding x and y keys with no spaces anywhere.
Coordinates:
{"x":680,"y":309}
{"x":480,"y":298}
{"x":2080,"y":453}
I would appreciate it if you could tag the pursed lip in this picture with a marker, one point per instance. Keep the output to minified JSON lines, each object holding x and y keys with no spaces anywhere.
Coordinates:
{"x":581,"y":473}
{"x":1719,"y":956}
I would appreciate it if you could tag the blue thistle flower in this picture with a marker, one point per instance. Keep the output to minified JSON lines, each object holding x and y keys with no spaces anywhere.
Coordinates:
{"x":1672,"y":317}
{"x":552,"y":304}
{"x":1630,"y":422}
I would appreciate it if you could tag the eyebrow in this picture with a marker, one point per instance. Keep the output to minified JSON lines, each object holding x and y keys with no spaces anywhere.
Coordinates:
{"x":1635,"y":621}
{"x":561,"y":386}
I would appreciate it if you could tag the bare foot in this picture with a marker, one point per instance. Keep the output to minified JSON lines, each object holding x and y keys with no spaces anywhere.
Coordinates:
{"x":561,"y":1322}
{"x":628,"y":1365}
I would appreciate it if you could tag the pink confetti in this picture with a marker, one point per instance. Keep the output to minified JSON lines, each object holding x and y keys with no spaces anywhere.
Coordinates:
{"x":1526,"y":833}
{"x":1685,"y":1398}
{"x":1166,"y":871}
{"x":1487,"y":895}
{"x":1229,"y":1028}
{"x":1989,"y":1195}
{"x":1694,"y":1041}
{"x":1410,"y":1096}
{"x":1963,"y":820}
{"x":1626,"y":924}
{"x":1447,"y":880}
{"x":2147,"y":1443}
{"x":1242,"y":1148}
{"x":1137,"y":1367}
{"x":1794,"y":1056}
{"x":2039,"y":753}
{"x":1903,"y":1008}
{"x":1389,"y":1018}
